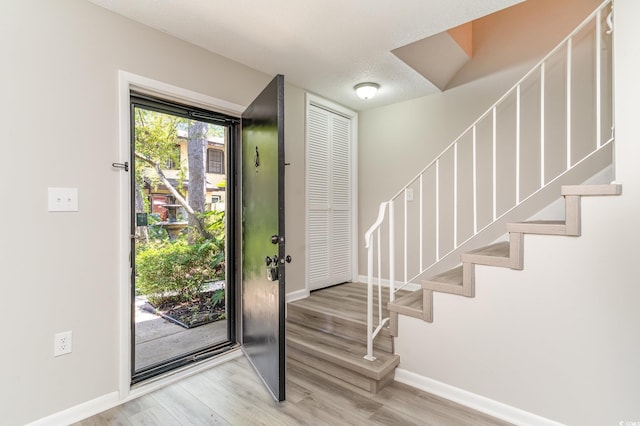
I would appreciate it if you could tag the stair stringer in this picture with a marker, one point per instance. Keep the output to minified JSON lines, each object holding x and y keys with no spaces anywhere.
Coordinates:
{"x":461,"y":279}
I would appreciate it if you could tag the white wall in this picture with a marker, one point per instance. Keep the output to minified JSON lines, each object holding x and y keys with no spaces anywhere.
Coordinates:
{"x":560,"y":338}
{"x":59,"y":117}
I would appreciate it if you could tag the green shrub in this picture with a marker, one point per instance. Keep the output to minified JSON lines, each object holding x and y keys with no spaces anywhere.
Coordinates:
{"x":177,"y":268}
{"x":214,"y":224}
{"x":217,"y":299}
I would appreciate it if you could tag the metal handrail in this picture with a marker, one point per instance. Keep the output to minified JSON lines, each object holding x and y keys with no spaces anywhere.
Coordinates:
{"x":471,"y":131}
{"x":371,"y":333}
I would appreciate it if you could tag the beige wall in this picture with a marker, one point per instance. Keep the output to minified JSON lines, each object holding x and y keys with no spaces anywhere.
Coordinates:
{"x":520,"y":33}
{"x":403,"y":138}
{"x":558,"y":339}
{"x":59,"y":108}
{"x":60,"y":271}
{"x":294,"y":111}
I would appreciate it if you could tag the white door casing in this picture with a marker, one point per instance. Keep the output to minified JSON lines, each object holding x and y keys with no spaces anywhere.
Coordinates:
{"x":127,"y":82}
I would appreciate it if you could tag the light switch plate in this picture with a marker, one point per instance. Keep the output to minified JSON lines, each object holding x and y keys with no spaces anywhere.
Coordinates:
{"x":63,"y":199}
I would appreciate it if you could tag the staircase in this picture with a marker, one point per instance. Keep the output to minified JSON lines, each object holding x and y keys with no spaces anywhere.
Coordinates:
{"x":505,"y":254}
{"x":504,"y":167}
{"x":455,"y":203}
{"x":326,"y":334}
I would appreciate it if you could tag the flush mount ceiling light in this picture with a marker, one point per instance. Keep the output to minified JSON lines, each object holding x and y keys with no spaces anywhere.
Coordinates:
{"x":366,"y":90}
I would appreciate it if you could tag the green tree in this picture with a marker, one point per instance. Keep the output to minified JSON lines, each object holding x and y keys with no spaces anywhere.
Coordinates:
{"x":156,"y":136}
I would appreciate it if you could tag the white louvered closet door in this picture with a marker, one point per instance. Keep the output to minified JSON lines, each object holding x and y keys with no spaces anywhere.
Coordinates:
{"x":329,"y":232}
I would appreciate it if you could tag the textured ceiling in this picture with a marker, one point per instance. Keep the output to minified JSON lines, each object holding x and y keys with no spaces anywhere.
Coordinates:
{"x":325,"y":46}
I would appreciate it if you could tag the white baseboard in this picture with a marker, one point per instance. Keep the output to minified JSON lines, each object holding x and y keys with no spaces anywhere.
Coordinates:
{"x":385,"y":283}
{"x":472,"y":400}
{"x":79,"y":412}
{"x":297,"y":295}
{"x":110,"y":400}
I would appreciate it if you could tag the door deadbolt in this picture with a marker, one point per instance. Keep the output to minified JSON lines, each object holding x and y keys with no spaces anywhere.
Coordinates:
{"x":272,"y":274}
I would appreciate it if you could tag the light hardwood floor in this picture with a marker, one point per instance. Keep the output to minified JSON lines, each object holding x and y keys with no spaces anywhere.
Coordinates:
{"x":232,"y":394}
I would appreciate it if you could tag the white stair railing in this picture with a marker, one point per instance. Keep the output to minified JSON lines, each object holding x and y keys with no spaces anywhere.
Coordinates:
{"x":453,"y":226}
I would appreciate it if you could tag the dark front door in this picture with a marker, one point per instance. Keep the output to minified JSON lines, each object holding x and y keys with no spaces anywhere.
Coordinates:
{"x":263,"y":275}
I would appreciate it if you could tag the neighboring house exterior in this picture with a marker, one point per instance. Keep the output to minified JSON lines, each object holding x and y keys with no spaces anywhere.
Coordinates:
{"x":568,"y":351}
{"x":215,"y":166}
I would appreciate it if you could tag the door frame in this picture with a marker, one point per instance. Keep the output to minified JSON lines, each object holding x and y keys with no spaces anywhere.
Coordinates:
{"x":127,"y":82}
{"x":311,"y":99}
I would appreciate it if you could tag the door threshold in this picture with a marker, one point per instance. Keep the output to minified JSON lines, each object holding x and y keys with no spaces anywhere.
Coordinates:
{"x":158,"y":382}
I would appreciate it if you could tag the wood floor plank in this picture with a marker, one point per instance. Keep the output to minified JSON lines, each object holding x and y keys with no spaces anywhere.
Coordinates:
{"x":389,"y":416}
{"x":121,"y":414}
{"x":350,"y":400}
{"x":438,"y":410}
{"x":255,"y":394}
{"x":187,"y":409}
{"x":108,"y":418}
{"x":224,"y":402}
{"x":326,"y":412}
{"x":153,"y":416}
{"x":232,"y":393}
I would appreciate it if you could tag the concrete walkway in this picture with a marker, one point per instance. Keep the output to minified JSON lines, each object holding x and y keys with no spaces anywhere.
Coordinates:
{"x":158,"y":339}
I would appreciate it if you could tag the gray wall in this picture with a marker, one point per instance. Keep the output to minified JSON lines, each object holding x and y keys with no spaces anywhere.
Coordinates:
{"x":60,"y":124}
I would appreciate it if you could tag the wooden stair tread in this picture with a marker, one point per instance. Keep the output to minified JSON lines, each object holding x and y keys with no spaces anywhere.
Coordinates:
{"x":409,"y":305}
{"x":497,"y":254}
{"x":340,"y":376}
{"x":342,"y":352}
{"x":510,"y":254}
{"x":452,"y":276}
{"x":450,"y":281}
{"x":348,"y":301}
{"x":544,"y":227}
{"x":318,"y":309}
{"x":587,"y":190}
{"x":500,"y":249}
{"x":325,"y":319}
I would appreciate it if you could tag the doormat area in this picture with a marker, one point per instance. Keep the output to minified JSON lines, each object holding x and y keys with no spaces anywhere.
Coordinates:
{"x":189,"y":314}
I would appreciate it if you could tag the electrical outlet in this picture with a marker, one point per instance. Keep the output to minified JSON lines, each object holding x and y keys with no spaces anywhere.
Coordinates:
{"x":62,"y":343}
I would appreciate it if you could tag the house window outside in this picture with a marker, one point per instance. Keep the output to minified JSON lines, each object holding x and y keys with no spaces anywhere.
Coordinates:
{"x":215,"y":161}
{"x":215,"y":199}
{"x":173,"y":162}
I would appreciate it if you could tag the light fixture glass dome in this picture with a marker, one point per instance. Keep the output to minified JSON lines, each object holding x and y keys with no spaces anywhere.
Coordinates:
{"x":366,"y":90}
